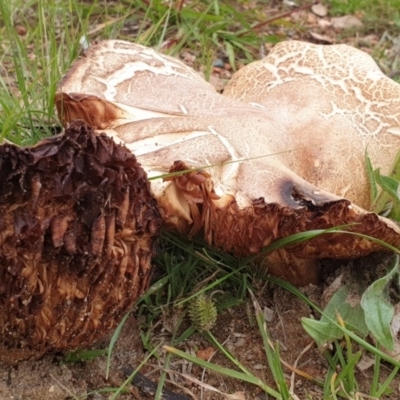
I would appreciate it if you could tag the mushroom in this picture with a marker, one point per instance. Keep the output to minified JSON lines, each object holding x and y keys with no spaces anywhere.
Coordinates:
{"x":245,"y":173}
{"x":78,"y":224}
{"x":331,"y":102}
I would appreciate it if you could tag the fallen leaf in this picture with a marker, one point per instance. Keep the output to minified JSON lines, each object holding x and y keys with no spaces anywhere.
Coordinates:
{"x":217,"y":82}
{"x":321,"y":38}
{"x":319,"y":9}
{"x":269,"y":314}
{"x":290,"y":3}
{"x":324,"y":24}
{"x":21,"y":30}
{"x":365,"y":363}
{"x":395,"y":324}
{"x":347,"y":22}
{"x":205,"y":354}
{"x":332,"y":289}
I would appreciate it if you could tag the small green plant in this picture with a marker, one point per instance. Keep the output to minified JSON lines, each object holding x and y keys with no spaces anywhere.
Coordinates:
{"x":82,"y":355}
{"x":203,"y":312}
{"x":329,"y":332}
{"x":368,"y":311}
{"x":387,"y":200}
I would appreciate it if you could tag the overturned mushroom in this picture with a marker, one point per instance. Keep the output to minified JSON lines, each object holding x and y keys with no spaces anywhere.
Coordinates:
{"x":77,"y":231}
{"x":247,"y":159}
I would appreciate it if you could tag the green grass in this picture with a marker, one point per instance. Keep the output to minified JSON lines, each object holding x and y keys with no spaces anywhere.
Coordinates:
{"x":371,"y":8}
{"x":32,"y":65}
{"x":39,"y":40}
{"x":195,"y":268}
{"x":34,"y":61}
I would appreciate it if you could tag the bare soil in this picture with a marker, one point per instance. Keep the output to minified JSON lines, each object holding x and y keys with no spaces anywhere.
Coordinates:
{"x":53,"y":378}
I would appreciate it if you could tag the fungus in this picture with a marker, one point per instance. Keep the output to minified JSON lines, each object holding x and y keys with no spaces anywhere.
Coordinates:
{"x":331,"y":102}
{"x":78,"y":224}
{"x":248,"y":168}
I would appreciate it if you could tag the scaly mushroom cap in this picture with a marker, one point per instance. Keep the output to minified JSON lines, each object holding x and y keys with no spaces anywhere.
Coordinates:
{"x":240,"y":190}
{"x":336,"y":103}
{"x":78,"y":224}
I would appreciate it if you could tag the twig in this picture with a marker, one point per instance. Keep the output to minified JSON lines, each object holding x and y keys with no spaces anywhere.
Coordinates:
{"x":62,"y":386}
{"x":150,"y":387}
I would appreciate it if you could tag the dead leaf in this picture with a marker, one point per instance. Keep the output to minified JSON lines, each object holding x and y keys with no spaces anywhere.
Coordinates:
{"x":332,"y":289}
{"x":395,"y":324}
{"x":347,"y":22}
{"x":217,"y":82}
{"x":21,"y":30}
{"x":205,"y":354}
{"x":321,"y":38}
{"x":319,"y":9}
{"x":269,"y":314}
{"x":365,"y":363}
{"x":324,"y":24}
{"x":290,"y":3}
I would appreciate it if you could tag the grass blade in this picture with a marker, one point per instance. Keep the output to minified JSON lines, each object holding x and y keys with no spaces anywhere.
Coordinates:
{"x":225,"y":371}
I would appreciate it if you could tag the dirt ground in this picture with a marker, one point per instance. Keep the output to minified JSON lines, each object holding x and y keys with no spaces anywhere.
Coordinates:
{"x":51,"y":378}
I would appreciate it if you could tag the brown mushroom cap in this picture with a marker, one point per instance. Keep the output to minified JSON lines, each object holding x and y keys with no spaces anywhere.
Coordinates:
{"x":78,"y":224}
{"x":241,"y":192}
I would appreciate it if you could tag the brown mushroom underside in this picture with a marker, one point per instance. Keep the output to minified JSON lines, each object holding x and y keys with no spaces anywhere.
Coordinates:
{"x":77,"y":229}
{"x":247,"y":231}
{"x":243,"y":192}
